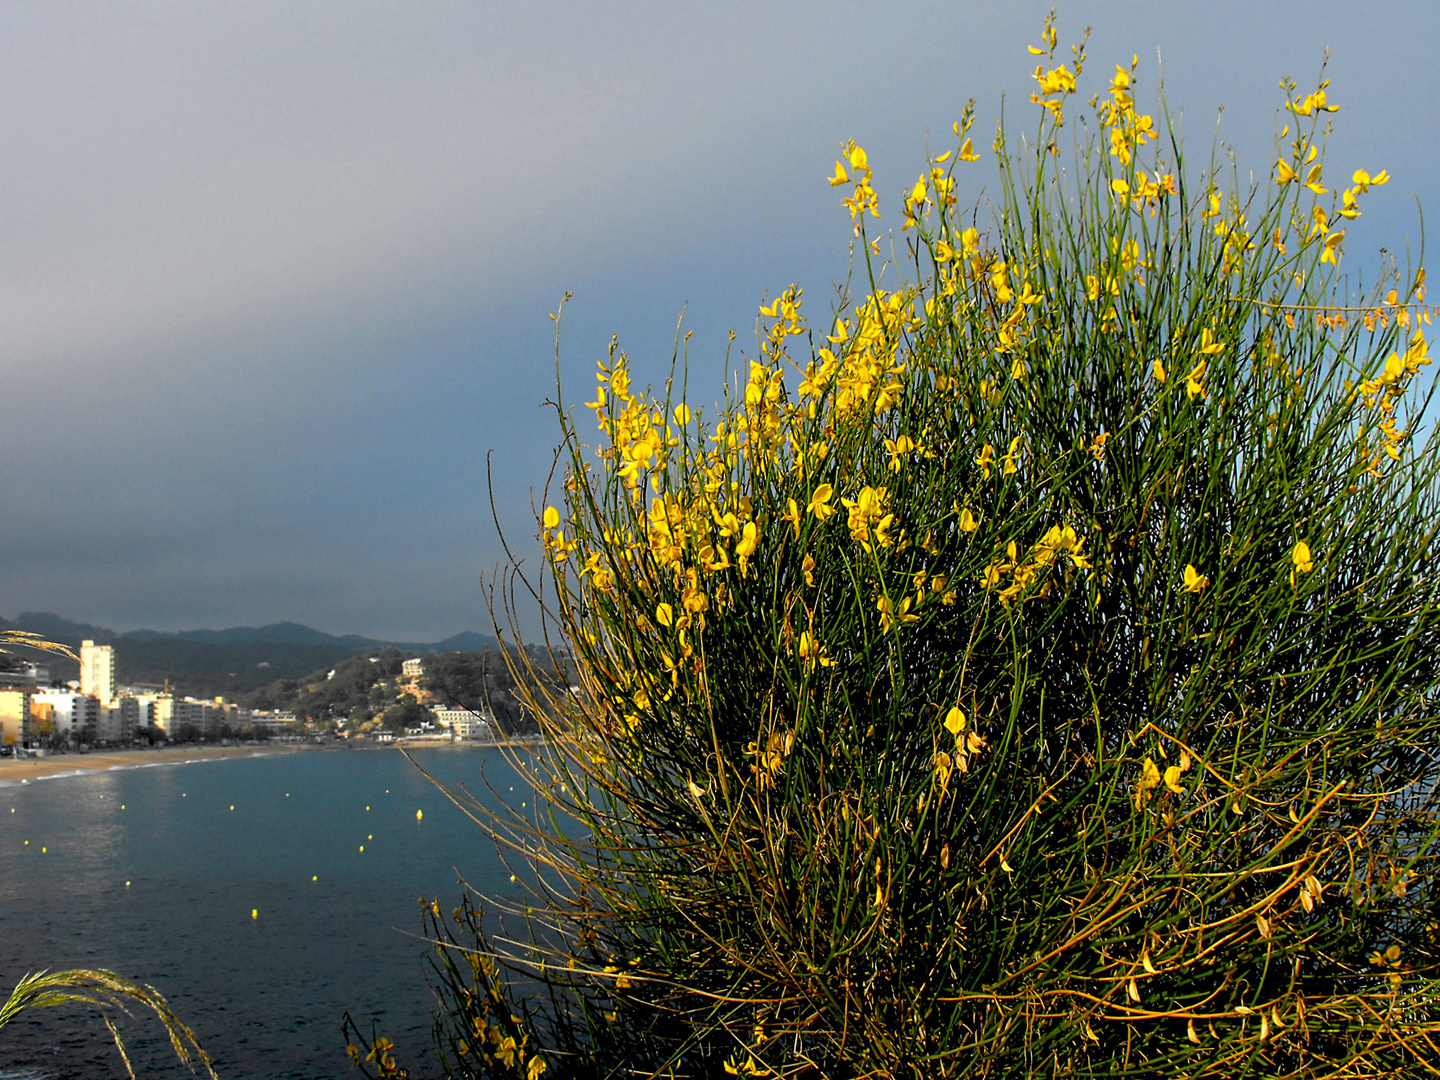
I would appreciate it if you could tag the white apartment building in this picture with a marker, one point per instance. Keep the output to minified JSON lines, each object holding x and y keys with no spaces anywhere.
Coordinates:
{"x":466,"y":724}
{"x":265,"y":722}
{"x":75,"y":716}
{"x":97,"y":672}
{"x":175,"y":715}
{"x":208,"y":719}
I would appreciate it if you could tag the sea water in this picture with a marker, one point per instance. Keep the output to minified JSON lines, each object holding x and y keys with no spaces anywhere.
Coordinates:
{"x":239,"y":889}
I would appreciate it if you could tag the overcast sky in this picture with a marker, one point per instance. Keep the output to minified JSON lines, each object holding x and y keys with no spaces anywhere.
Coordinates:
{"x":275,"y":277}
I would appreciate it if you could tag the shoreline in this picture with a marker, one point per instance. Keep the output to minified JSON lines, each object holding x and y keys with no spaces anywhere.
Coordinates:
{"x":423,"y":743}
{"x":15,"y":772}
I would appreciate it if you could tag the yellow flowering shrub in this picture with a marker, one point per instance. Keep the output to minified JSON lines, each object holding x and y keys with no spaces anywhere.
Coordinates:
{"x":1028,"y":666}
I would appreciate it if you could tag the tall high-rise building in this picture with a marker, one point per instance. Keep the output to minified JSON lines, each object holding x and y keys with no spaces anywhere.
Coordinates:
{"x":97,"y":672}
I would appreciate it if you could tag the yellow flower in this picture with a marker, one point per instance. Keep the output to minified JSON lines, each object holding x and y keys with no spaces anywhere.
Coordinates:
{"x":890,"y":614}
{"x":896,"y":448}
{"x":1058,"y":81}
{"x":812,"y":652}
{"x":1010,"y":465}
{"x":870,"y":517}
{"x":1363,"y":180}
{"x":967,"y":151}
{"x":1301,"y":557}
{"x":1149,"y":777}
{"x":665,"y":615}
{"x":552,"y":517}
{"x":1172,"y":779}
{"x":1194,"y":580}
{"x":820,"y":502}
{"x":1283,"y":172}
{"x":1193,"y":387}
{"x":808,"y":569}
{"x":1158,"y":370}
{"x":1332,"y":243}
{"x":792,"y":515}
{"x":955,"y":721}
{"x":749,"y":540}
{"x":840,"y":177}
{"x":968,"y":523}
{"x":942,"y":775}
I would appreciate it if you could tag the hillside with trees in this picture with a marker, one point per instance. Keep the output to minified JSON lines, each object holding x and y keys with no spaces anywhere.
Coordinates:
{"x":368,"y":690}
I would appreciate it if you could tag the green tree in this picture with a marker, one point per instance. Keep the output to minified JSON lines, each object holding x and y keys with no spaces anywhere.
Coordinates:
{"x":408,"y":713}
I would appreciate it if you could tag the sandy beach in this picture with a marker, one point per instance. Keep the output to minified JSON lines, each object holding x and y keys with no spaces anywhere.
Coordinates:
{"x":14,"y":771}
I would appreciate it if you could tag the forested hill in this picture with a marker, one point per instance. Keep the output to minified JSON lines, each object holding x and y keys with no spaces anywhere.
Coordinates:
{"x":232,"y":662}
{"x":368,"y":690}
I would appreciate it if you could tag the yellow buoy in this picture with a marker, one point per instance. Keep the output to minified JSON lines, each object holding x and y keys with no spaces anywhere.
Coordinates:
{"x":362,"y":847}
{"x":127,"y":884}
{"x":315,"y":877}
{"x":254,"y":913}
{"x":419,"y":815}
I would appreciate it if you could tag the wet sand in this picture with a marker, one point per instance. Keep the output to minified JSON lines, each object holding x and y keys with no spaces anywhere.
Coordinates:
{"x":14,"y":770}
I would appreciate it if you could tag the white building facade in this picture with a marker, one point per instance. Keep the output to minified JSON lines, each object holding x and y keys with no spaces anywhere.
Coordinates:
{"x":97,"y":672}
{"x":466,"y":724}
{"x":75,"y":717}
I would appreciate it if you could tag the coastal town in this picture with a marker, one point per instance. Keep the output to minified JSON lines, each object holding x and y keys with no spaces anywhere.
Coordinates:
{"x":93,"y":712}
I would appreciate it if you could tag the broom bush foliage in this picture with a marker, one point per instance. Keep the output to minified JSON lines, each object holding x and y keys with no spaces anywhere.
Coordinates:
{"x":1029,"y":667}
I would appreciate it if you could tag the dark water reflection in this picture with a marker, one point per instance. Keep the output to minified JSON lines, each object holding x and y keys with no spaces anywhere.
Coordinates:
{"x":265,"y":995}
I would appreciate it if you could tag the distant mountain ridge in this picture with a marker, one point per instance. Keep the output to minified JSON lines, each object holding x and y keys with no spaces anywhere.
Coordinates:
{"x":71,"y":633}
{"x":231,"y":661}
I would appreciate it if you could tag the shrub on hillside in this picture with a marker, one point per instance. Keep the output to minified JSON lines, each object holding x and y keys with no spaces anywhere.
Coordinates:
{"x":1029,"y":669}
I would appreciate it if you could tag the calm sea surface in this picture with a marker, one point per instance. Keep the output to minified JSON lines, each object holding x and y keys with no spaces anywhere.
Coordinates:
{"x":203,"y":845}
